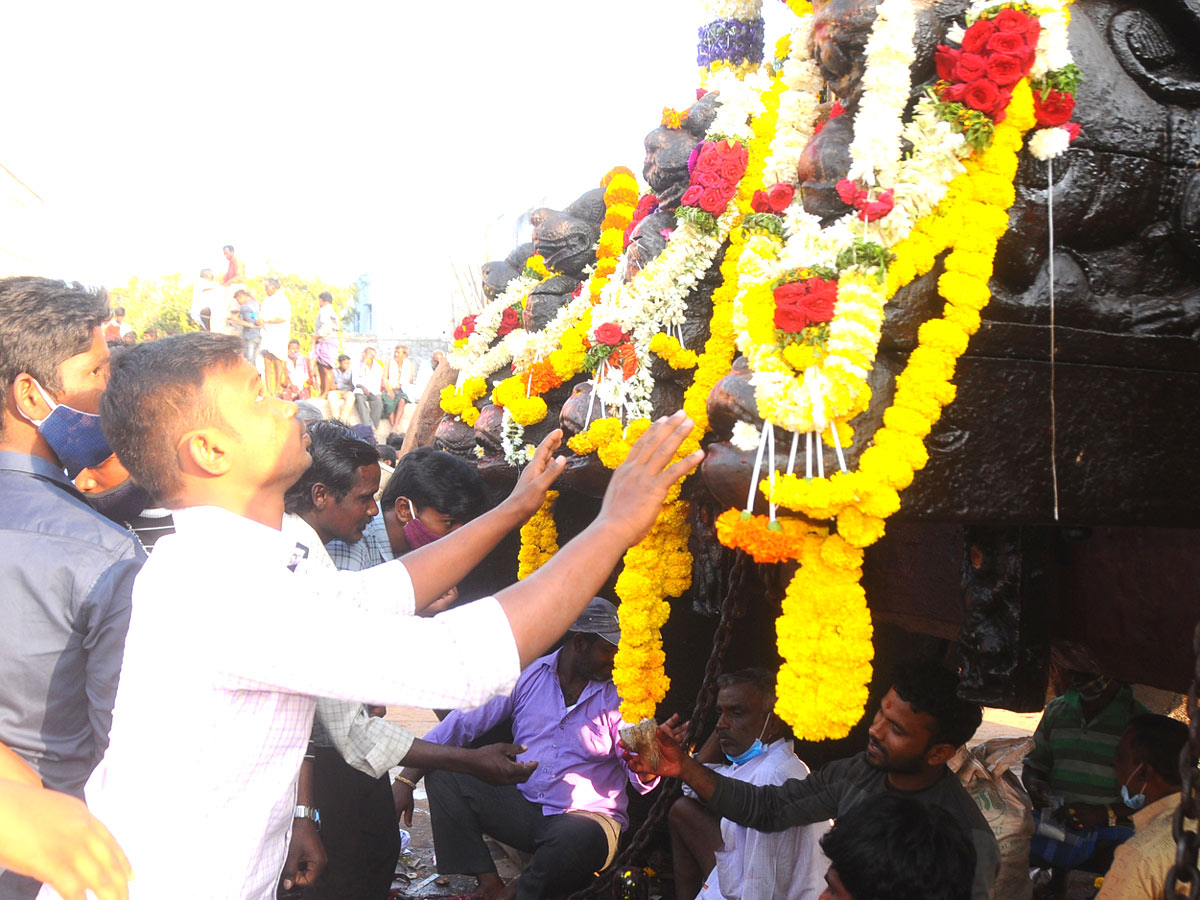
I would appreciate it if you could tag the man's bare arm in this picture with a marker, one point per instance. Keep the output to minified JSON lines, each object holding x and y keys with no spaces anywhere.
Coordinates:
{"x":543,"y":606}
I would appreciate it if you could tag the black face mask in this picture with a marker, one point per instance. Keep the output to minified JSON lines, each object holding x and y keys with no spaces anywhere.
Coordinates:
{"x":122,"y":503}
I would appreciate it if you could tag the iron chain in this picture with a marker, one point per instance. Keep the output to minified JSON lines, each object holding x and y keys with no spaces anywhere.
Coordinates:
{"x":1187,"y":842}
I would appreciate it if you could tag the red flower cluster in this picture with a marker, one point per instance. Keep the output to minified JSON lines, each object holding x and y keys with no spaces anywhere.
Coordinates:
{"x":996,"y":53}
{"x":799,"y":304}
{"x":868,"y":210}
{"x":610,"y":334}
{"x":1054,"y":109}
{"x":509,"y":319}
{"x":776,"y":200}
{"x":646,"y":205}
{"x":836,"y":110}
{"x":719,"y":167}
{"x":465,"y":329}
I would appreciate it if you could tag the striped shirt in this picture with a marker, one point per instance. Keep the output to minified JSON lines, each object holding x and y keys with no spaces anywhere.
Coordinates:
{"x":1075,"y":756}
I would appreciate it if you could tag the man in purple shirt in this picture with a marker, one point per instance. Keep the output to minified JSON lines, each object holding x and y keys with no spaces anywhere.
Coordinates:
{"x":571,"y":811}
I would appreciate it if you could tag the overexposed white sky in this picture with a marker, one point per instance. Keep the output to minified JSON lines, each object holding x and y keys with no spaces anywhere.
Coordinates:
{"x":326,"y":139}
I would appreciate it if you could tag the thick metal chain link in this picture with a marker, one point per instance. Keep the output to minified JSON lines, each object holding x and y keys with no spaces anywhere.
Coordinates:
{"x":1187,"y":842}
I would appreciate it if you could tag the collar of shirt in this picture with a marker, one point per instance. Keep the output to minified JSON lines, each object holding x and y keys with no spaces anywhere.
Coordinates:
{"x":1163,"y":805}
{"x":34,"y":465}
{"x":230,"y":529}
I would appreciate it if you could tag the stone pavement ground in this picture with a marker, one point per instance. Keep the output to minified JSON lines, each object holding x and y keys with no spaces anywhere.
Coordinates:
{"x":417,"y":876}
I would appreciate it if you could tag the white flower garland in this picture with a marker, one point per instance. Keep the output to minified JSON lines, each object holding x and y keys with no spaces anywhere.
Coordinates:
{"x":746,"y":10}
{"x":474,"y":359}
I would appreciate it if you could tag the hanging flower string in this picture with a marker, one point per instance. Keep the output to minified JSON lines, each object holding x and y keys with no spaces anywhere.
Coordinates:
{"x":539,"y":538}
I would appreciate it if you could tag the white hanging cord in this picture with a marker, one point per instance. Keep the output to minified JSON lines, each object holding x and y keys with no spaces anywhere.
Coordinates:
{"x":592,"y":397}
{"x":808,"y":454}
{"x":769,"y":430}
{"x":1053,"y":410}
{"x":762,"y":442}
{"x":792,"y":454}
{"x":820,"y":454}
{"x":837,"y":446}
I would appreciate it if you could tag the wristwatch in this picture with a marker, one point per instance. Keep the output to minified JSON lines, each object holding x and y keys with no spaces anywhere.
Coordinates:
{"x":308,"y":812}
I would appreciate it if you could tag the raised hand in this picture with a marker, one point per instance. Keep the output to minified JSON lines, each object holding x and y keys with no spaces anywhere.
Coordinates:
{"x":536,"y":478}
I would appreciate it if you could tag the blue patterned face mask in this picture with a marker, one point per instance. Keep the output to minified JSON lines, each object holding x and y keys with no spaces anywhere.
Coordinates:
{"x":74,"y":436}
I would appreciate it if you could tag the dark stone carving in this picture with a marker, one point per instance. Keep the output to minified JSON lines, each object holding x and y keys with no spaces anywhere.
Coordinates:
{"x":1004,"y":647}
{"x":566,"y":239}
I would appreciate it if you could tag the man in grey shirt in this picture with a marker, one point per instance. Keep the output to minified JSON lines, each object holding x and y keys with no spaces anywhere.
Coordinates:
{"x":920,"y":725}
{"x":66,"y":572}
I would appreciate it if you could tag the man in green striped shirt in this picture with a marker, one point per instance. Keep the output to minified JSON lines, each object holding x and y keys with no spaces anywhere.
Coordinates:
{"x":1070,"y":775}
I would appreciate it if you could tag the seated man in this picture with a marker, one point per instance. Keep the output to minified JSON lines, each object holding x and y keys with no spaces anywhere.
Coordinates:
{"x":431,"y":494}
{"x":354,"y":749}
{"x":750,"y":744}
{"x":892,"y":847}
{"x":342,"y":396}
{"x":233,"y":655}
{"x":1069,"y":773}
{"x":920,"y":725}
{"x":1147,"y":760}
{"x":571,"y":811}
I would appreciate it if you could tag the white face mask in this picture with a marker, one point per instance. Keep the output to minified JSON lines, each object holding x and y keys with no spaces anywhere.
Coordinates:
{"x":1138,"y":800}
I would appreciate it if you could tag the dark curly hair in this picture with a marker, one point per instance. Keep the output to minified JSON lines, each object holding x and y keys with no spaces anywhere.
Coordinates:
{"x":928,"y":688}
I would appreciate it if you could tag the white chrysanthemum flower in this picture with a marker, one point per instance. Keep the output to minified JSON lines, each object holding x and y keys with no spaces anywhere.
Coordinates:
{"x":1048,"y":143}
{"x":955,"y":33}
{"x":745,"y":436}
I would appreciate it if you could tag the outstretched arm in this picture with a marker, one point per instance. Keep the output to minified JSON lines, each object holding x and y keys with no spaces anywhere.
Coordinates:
{"x":543,"y":606}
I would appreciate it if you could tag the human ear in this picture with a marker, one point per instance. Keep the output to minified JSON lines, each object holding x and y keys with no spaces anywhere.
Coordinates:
{"x":320,"y":496}
{"x":403,"y":510}
{"x":940,"y":754}
{"x":204,"y":452}
{"x":27,"y":399}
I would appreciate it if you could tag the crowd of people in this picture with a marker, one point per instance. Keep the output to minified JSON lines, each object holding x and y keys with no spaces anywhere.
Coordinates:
{"x":295,"y":576}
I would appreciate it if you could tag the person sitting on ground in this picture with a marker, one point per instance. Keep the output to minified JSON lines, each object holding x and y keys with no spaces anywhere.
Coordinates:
{"x":713,"y":857}
{"x":342,"y":394}
{"x":920,"y":724}
{"x":431,"y":494}
{"x":297,"y":374}
{"x":1147,"y":765}
{"x":1069,"y":772}
{"x":368,"y":389}
{"x":354,"y":746}
{"x":892,"y":847}
{"x":571,"y":811}
{"x":233,"y":655}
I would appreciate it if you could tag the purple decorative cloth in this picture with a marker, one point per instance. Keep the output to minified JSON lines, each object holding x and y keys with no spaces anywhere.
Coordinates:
{"x":730,"y":40}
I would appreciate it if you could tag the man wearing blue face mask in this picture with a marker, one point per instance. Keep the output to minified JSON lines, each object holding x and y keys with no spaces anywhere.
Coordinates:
{"x":67,"y":572}
{"x":714,"y":858}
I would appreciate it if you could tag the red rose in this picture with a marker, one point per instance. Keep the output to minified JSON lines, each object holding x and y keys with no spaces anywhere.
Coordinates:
{"x":465,"y":328}
{"x":879,"y":207}
{"x":954,"y":93}
{"x":713,"y":201}
{"x":971,"y":67}
{"x":804,"y":303}
{"x":1033,"y":32}
{"x":1054,"y":109}
{"x":1006,"y":42}
{"x":1000,"y":111}
{"x":1072,"y":129}
{"x":849,"y":192}
{"x":610,"y":334}
{"x":1011,"y":20}
{"x":981,"y":95}
{"x":708,"y":160}
{"x":1004,"y":69}
{"x":977,"y":36}
{"x":780,"y":197}
{"x":692,"y":195}
{"x":732,"y":150}
{"x":759,"y":202}
{"x":509,"y":320}
{"x":732,"y":170}
{"x":947,"y":62}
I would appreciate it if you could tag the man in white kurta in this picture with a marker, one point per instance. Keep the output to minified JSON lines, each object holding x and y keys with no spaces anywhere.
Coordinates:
{"x":223,"y":661}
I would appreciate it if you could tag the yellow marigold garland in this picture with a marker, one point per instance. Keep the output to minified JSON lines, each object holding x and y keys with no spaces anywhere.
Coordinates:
{"x":539,"y":538}
{"x":672,"y":352}
{"x":460,"y":401}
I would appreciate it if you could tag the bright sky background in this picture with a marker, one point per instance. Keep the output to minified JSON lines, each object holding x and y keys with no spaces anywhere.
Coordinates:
{"x":325,"y":139}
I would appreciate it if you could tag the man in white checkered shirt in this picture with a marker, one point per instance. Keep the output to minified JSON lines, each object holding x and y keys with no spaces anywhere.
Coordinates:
{"x":227,"y":650}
